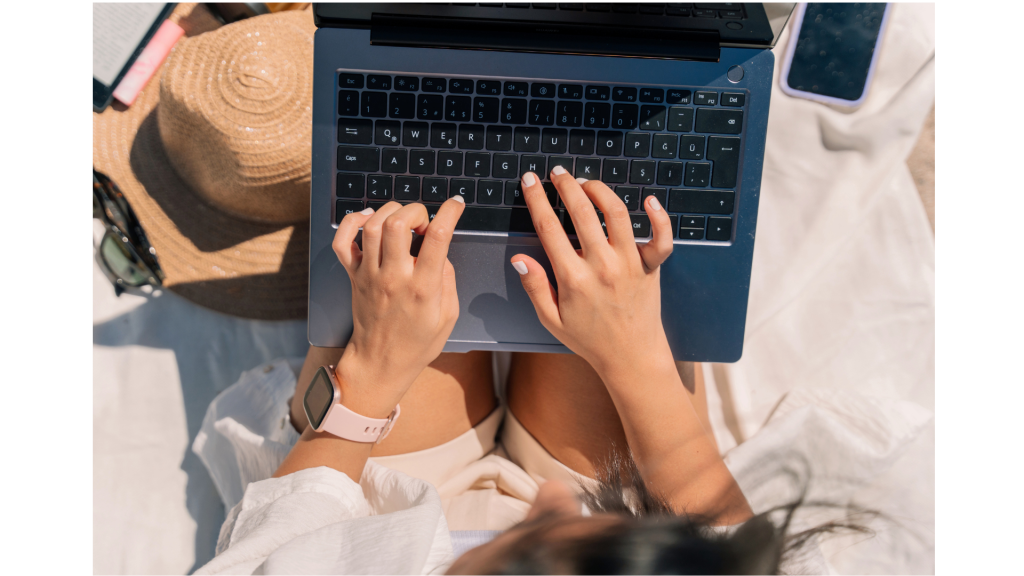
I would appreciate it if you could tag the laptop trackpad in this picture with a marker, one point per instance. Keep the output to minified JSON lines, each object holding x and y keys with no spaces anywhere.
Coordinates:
{"x":493,"y":305}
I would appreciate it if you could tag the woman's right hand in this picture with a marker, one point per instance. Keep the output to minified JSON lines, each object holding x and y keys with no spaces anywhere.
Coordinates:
{"x":607,"y":308}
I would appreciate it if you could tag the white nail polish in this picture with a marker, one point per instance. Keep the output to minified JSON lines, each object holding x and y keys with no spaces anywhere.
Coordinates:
{"x":558,"y":170}
{"x":581,"y":181}
{"x":528,"y":179}
{"x":367,"y":212}
{"x":520,"y":267}
{"x":655,"y":205}
{"x":459,"y":198}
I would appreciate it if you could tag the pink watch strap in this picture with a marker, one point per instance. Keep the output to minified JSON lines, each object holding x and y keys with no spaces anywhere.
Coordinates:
{"x":346,"y":424}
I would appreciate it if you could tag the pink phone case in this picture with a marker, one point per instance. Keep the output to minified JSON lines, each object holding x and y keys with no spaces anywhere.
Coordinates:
{"x":149,"y":60}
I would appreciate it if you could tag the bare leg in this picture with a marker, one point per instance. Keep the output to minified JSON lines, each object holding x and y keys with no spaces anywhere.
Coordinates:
{"x":451,"y":395}
{"x":563,"y":403}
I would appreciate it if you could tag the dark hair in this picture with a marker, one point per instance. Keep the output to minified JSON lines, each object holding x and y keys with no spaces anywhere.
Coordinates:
{"x":652,"y":539}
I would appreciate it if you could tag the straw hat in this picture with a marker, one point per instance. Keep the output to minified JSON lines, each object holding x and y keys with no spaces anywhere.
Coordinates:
{"x":214,"y":157}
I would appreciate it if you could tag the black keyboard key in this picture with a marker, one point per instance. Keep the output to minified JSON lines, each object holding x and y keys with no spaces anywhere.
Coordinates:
{"x":350,"y":185}
{"x":652,"y":8}
{"x":596,"y":7}
{"x":630,"y":196}
{"x":697,"y":174}
{"x":352,"y":81}
{"x":691,"y":233}
{"x":355,"y":131}
{"x":670,"y":173}
{"x":527,"y":140}
{"x":407,"y":187}
{"x":435,"y":84}
{"x":517,"y":89}
{"x":660,"y":193}
{"x":544,"y":5}
{"x":677,"y":96}
{"x":506,"y":166}
{"x":376,"y":204}
{"x":719,"y":229}
{"x":614,"y":171}
{"x":609,"y":143}
{"x":478,"y":164}
{"x":725,"y":153}
{"x":463,"y":187}
{"x":563,"y":161}
{"x":624,"y":116}
{"x":691,"y":147}
{"x":652,"y":95}
{"x":638,"y":145}
{"x":378,"y":82}
{"x":680,"y":119}
{"x":597,"y":115}
{"x":539,"y":90}
{"x":652,"y":117}
{"x":485,"y":109}
{"x":598,"y":92}
{"x":589,"y":168}
{"x":704,"y":13}
{"x":435,"y":189}
{"x":458,"y":108}
{"x":513,"y":194}
{"x":535,"y":164}
{"x":664,"y":145}
{"x":689,"y":221}
{"x":733,"y":99}
{"x":421,"y":161}
{"x":569,"y":113}
{"x":701,"y":201}
{"x":489,"y":192}
{"x":407,"y":83}
{"x":551,"y":191}
{"x":581,"y":142}
{"x":625,"y":8}
{"x":678,"y":10}
{"x":471,"y":137}
{"x":553,"y":141}
{"x":415,"y":135}
{"x":641,"y":225}
{"x":402,"y":105}
{"x":387,"y":132}
{"x":449,"y":163}
{"x":495,"y":220}
{"x":624,"y":94}
{"x":348,"y":103}
{"x":719,"y":121}
{"x":358,"y":159}
{"x":430,"y":107}
{"x":460,"y":86}
{"x":378,"y":187}
{"x":343,"y":208}
{"x":394,"y":160}
{"x":705,"y":98}
{"x":442,"y":135}
{"x":488,"y":87}
{"x":499,"y":138}
{"x":513,"y":111}
{"x":642,"y":171}
{"x":732,"y":14}
{"x":570,"y":91}
{"x":542,"y":112}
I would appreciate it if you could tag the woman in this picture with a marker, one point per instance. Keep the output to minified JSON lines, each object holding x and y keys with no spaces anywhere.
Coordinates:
{"x":614,"y":424}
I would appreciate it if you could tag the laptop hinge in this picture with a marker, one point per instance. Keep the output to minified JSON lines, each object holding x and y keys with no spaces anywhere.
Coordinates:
{"x":427,"y":32}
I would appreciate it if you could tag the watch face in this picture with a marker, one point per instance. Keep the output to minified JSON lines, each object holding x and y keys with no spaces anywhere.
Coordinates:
{"x":319,"y":397}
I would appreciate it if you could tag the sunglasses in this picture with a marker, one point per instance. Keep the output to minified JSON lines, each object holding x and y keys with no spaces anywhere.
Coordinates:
{"x":124,"y":254}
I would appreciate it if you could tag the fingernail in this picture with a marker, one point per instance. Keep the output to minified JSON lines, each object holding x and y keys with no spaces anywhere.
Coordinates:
{"x":528,"y":179}
{"x":558,"y":170}
{"x":367,"y":212}
{"x":655,"y":205}
{"x":520,"y":267}
{"x":581,"y":181}
{"x":459,"y":198}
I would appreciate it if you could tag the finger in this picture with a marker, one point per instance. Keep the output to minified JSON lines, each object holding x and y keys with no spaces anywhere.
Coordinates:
{"x":438,"y":236}
{"x":449,"y":297}
{"x":616,"y":216}
{"x":581,"y":211}
{"x":540,"y":290}
{"x":660,"y":247}
{"x":397,"y":235}
{"x":344,"y":243}
{"x":372,"y":231}
{"x":545,"y":222}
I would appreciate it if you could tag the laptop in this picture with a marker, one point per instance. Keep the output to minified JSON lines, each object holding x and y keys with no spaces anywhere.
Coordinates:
{"x":418,"y":102}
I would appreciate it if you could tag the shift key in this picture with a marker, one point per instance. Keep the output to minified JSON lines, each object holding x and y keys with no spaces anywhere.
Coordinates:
{"x":358,"y":158}
{"x":701,"y":201}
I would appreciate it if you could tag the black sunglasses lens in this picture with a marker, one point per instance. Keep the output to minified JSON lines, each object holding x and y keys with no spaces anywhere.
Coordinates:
{"x":121,"y":263}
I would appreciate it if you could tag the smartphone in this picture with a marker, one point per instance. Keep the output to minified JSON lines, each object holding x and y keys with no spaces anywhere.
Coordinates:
{"x":834,"y":51}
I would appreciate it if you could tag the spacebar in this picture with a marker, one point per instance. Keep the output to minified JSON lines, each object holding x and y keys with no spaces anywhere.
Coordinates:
{"x":496,"y":220}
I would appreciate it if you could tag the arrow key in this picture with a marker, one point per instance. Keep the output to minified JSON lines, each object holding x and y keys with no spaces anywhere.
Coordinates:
{"x":719,"y":228}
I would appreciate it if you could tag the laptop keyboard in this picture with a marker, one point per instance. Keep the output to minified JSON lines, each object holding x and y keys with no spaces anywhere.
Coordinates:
{"x":412,"y":138}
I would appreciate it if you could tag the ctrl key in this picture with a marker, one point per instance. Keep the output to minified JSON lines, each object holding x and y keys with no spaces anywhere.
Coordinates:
{"x":719,"y":229}
{"x":345,"y":207}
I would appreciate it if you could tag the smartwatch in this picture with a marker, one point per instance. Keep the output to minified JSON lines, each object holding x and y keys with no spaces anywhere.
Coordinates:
{"x":325,"y":414}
